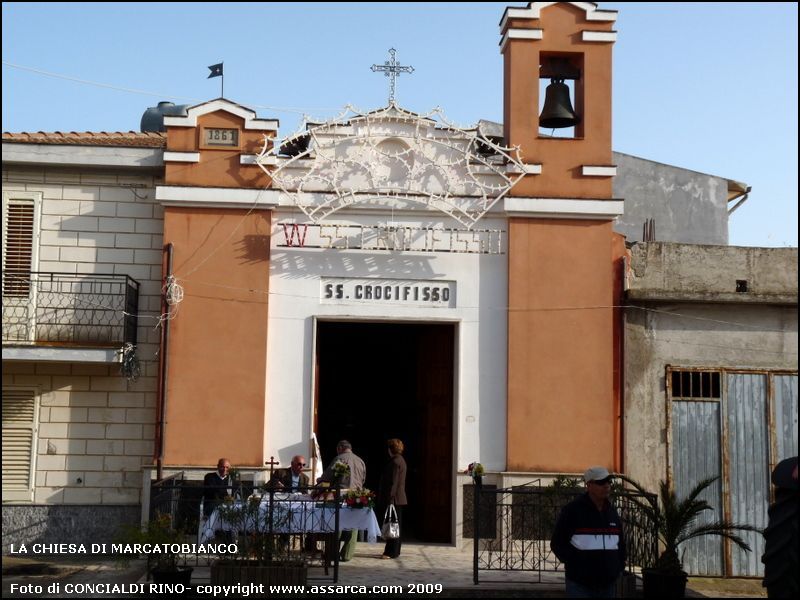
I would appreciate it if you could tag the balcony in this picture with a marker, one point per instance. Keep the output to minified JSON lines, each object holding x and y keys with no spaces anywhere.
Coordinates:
{"x":68,"y":311}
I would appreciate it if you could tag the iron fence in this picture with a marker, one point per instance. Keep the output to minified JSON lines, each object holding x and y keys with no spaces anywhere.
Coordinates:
{"x":69,"y":309}
{"x":165,"y":497}
{"x":262,"y":525}
{"x":512,"y":527}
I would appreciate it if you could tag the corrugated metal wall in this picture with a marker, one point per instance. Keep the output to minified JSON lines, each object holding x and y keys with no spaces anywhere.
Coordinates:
{"x":696,"y":443}
{"x":785,"y":411}
{"x":748,"y":466}
{"x":741,"y":453}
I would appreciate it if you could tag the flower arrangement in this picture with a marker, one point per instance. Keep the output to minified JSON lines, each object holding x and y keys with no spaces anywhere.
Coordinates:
{"x":475,"y":470}
{"x":341,"y":469}
{"x":360,"y":498}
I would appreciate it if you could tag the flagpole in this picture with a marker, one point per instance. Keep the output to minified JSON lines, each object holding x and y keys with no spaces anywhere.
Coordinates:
{"x":222,"y":86}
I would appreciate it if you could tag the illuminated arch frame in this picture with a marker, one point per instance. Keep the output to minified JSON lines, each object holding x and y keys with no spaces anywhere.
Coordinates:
{"x":475,"y":172}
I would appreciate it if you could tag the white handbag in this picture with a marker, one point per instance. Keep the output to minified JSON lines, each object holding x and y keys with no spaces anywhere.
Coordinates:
{"x":391,"y":526}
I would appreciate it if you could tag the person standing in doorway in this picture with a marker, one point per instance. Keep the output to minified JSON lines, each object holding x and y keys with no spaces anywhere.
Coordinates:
{"x":392,"y":490}
{"x":354,"y":481}
{"x":358,"y":470}
{"x":588,"y":540}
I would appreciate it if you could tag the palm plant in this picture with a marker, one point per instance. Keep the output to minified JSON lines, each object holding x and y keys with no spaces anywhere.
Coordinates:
{"x":676,"y":521}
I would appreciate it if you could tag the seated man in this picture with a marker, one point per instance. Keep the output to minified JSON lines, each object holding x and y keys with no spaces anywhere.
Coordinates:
{"x":292,"y":479}
{"x":217,"y":485}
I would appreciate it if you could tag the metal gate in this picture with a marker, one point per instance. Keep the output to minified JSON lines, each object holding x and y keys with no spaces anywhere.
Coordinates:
{"x":734,"y":425}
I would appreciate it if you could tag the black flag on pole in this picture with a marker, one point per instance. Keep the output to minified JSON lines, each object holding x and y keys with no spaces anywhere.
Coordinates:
{"x":216,"y":71}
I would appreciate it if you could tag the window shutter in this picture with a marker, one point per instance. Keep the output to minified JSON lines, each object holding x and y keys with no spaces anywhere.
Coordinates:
{"x":19,"y":224}
{"x":19,"y":439}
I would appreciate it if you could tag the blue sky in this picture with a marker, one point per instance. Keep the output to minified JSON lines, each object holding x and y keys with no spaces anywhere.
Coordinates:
{"x":709,"y":87}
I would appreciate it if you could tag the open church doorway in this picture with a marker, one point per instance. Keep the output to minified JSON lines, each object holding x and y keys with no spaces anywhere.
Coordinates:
{"x":376,"y":381}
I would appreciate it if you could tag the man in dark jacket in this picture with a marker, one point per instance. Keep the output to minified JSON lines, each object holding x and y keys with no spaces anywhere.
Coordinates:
{"x":588,"y":540}
{"x":780,"y":546}
{"x":217,"y":485}
{"x":292,"y":479}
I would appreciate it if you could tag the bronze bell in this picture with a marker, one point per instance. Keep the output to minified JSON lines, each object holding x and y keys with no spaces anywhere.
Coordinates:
{"x":557,"y":111}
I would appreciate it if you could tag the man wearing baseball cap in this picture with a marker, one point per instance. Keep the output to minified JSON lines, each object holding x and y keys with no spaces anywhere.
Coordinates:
{"x":588,"y":540}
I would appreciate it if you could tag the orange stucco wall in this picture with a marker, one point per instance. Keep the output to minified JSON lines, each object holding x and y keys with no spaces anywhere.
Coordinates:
{"x":561,"y":398}
{"x":563,"y":346}
{"x":561,"y":159}
{"x":215,"y":400}
{"x":218,"y":167}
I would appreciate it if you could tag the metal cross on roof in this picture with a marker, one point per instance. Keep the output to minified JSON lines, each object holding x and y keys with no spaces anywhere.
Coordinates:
{"x":392,"y":69}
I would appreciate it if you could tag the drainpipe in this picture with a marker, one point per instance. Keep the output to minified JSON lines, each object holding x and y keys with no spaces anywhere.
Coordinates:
{"x":623,"y":326}
{"x":163,"y":365}
{"x":622,"y":321}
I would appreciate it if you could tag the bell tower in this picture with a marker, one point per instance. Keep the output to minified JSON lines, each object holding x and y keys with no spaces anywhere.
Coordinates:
{"x":563,"y":357}
{"x":554,"y":42}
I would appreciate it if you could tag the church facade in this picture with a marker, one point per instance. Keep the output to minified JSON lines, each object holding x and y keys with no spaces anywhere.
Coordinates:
{"x":390,"y":275}
{"x":382,"y":274}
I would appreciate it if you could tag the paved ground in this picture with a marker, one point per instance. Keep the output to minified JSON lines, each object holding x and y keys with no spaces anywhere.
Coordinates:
{"x":424,"y":565}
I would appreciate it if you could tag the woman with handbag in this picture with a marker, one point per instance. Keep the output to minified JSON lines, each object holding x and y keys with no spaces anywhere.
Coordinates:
{"x":392,"y":494}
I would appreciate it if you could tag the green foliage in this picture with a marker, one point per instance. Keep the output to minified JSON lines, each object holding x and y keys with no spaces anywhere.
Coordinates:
{"x":676,"y":521}
{"x":564,"y":483}
{"x":340,"y":470}
{"x":256,"y":538}
{"x":159,"y":532}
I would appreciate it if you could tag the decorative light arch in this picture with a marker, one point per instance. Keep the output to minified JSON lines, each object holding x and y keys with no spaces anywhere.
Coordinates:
{"x":396,"y":158}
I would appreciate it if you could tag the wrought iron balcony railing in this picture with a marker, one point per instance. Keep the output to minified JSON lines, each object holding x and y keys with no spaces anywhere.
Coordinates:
{"x":69,"y":309}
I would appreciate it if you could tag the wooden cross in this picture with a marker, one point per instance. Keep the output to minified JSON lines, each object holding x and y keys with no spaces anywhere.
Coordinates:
{"x":392,"y":69}
{"x":272,"y":463}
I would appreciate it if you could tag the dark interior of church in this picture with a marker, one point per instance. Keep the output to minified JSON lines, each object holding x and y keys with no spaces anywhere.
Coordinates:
{"x":377,"y":381}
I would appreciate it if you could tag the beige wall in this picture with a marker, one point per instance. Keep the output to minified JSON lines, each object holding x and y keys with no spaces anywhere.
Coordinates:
{"x":95,"y":431}
{"x":95,"y":428}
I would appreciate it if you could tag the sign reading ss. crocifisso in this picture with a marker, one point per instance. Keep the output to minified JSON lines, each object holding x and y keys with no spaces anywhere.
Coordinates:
{"x":407,"y":292}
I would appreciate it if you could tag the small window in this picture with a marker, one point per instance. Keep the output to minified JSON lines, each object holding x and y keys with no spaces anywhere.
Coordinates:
{"x":695,"y":384}
{"x":19,"y":442}
{"x":20,"y":234}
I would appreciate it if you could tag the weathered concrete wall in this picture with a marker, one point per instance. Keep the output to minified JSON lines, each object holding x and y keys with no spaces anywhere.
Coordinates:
{"x":664,"y":271}
{"x":687,"y":206}
{"x":65,"y":524}
{"x":746,"y":336}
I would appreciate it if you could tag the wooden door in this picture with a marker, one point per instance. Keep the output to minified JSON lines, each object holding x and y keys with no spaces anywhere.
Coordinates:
{"x":435,"y":406}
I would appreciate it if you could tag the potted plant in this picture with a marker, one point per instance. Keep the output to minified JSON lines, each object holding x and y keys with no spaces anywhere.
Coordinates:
{"x":476,"y":471}
{"x":675,"y":521}
{"x":262,"y":528}
{"x":163,"y":565}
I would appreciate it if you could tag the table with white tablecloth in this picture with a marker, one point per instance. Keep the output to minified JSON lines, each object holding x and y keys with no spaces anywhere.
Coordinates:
{"x":290,"y":516}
